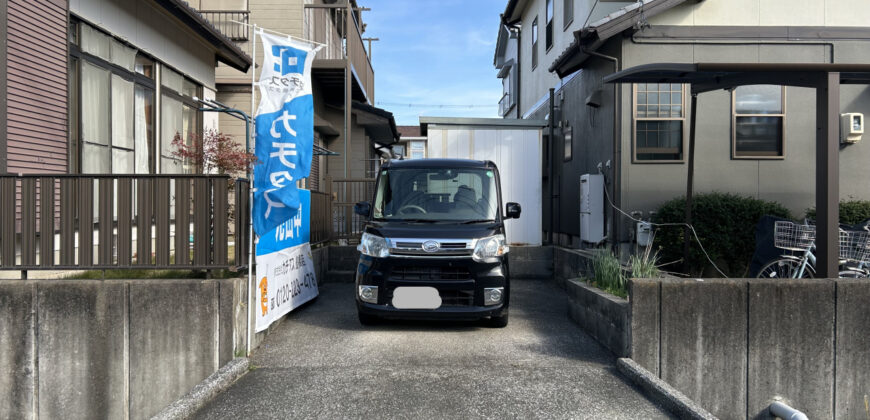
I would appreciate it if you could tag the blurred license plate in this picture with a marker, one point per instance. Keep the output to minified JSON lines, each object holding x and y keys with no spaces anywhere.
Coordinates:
{"x":416,"y":298}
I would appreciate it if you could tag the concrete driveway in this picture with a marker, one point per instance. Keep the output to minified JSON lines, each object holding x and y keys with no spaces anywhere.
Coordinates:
{"x":322,"y":363}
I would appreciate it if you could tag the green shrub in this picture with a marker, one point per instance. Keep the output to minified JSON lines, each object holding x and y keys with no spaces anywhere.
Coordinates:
{"x":607,"y":274}
{"x":851,"y":211}
{"x":725,"y":224}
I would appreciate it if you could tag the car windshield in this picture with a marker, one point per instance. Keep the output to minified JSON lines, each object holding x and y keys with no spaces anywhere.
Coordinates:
{"x":436,"y":195}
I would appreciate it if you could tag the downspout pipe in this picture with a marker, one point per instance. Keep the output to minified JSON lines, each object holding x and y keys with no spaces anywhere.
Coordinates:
{"x":783,"y":411}
{"x":551,"y":164}
{"x":617,"y":148}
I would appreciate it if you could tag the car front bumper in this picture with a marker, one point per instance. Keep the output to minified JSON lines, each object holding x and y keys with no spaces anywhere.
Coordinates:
{"x":460,"y":283}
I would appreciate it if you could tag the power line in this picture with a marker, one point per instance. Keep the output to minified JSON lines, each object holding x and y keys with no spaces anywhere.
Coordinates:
{"x":413,"y":105}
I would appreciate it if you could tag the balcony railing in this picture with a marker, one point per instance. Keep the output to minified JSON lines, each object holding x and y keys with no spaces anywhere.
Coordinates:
{"x":226,"y":21}
{"x":505,"y":104}
{"x":59,"y":222}
{"x":328,"y":25}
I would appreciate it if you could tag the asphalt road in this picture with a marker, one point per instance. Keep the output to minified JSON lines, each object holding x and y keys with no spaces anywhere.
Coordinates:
{"x":321,"y":363}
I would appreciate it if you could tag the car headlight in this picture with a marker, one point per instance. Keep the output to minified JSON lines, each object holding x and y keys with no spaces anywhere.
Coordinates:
{"x":489,"y":248}
{"x":373,"y":246}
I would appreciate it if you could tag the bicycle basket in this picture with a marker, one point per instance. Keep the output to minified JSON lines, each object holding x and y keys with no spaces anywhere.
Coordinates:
{"x":855,"y":245}
{"x":792,"y":236}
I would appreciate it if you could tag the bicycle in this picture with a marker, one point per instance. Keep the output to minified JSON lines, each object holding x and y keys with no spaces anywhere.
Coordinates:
{"x":789,"y":236}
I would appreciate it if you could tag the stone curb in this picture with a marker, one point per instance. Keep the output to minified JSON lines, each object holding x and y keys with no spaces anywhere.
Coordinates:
{"x":662,"y":393}
{"x":203,"y":392}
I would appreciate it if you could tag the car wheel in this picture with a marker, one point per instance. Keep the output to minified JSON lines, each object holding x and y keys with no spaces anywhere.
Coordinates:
{"x":367,"y":319}
{"x":499,"y":321}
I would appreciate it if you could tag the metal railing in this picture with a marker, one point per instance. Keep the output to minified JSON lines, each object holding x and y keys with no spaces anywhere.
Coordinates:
{"x":347,"y":192}
{"x":321,"y":221}
{"x":327,"y":24}
{"x":112,"y":221}
{"x":226,"y":21}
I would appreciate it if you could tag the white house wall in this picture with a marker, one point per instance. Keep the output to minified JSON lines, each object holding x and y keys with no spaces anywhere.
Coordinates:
{"x":768,"y":13}
{"x":517,"y":153}
{"x":535,"y":83}
{"x":152,"y":30}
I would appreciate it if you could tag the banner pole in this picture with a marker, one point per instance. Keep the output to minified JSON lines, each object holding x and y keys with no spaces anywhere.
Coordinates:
{"x":251,"y":195}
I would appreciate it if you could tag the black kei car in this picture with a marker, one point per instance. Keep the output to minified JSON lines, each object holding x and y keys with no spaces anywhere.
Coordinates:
{"x":434,"y":244}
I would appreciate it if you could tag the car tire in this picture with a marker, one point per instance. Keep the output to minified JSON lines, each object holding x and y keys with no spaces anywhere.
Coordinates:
{"x":367,"y":319}
{"x":499,"y":321}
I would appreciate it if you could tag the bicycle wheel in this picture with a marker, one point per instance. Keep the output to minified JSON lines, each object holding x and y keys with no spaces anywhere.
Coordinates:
{"x":785,"y":268}
{"x":853,"y":273}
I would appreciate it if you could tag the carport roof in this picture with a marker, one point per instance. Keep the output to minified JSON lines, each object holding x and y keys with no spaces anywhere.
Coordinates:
{"x":706,"y":77}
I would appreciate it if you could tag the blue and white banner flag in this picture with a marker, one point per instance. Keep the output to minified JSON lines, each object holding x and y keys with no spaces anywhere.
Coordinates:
{"x":284,"y":129}
{"x":286,"y":277}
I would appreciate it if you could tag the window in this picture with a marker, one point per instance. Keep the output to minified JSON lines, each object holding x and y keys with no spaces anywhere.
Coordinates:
{"x":535,"y":43}
{"x":568,"y":10}
{"x":758,"y":121}
{"x":659,"y":118}
{"x":179,"y":115}
{"x":549,"y":35}
{"x":111,"y":106}
{"x":418,"y":149}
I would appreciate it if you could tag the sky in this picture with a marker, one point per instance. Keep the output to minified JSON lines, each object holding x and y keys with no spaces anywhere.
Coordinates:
{"x":434,"y":52}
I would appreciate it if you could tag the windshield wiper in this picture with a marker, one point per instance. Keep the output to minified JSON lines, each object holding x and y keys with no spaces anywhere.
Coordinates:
{"x":416,"y":220}
{"x":468,"y":222}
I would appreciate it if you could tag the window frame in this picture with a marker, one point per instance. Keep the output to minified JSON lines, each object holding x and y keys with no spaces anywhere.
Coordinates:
{"x":567,"y":14}
{"x":734,"y":115}
{"x":549,"y":11}
{"x":535,"y":43}
{"x":635,"y":119}
{"x":78,"y":58}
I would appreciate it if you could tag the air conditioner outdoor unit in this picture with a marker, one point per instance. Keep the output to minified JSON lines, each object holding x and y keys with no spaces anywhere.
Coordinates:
{"x":592,"y":208}
{"x":851,"y":127}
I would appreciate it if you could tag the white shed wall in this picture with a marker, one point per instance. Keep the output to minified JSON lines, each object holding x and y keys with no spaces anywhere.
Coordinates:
{"x":517,"y":153}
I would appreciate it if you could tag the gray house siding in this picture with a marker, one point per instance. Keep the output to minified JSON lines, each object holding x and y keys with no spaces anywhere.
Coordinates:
{"x":788,"y":181}
{"x":645,"y":186}
{"x":592,"y":133}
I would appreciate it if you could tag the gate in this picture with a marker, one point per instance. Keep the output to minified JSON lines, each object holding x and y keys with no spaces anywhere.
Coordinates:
{"x":346,"y":192}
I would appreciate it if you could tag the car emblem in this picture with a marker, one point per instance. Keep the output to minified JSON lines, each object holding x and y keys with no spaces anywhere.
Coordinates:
{"x":431,"y":246}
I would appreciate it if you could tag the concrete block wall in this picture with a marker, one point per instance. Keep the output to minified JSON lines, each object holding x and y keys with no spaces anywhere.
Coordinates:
{"x":603,"y":316}
{"x":531,"y":262}
{"x":113,"y":348}
{"x":733,"y":345}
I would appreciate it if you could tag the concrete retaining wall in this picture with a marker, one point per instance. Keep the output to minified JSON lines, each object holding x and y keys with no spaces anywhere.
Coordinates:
{"x":602,"y":315}
{"x":112,"y":348}
{"x":570,"y":263}
{"x":734,"y":345}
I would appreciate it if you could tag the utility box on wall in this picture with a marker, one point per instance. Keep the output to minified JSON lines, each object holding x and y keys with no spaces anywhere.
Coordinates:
{"x":592,"y":208}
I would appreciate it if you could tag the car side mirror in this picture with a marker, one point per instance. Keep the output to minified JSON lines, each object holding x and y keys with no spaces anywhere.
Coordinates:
{"x":512,"y":211}
{"x":363,"y":208}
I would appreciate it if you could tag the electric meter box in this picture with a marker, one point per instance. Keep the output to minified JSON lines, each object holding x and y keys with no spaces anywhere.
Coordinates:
{"x":644,"y":233}
{"x":851,"y":127}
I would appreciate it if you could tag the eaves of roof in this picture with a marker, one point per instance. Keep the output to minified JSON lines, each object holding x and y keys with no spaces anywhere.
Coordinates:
{"x":597,"y":33}
{"x":227,"y":51}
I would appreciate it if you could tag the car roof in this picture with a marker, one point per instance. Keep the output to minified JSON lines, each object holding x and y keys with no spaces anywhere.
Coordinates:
{"x":438,"y":163}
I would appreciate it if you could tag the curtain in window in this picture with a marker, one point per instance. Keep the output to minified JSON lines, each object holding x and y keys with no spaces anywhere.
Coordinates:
{"x":95,"y":120}
{"x":144,"y":128}
{"x":172,"y":123}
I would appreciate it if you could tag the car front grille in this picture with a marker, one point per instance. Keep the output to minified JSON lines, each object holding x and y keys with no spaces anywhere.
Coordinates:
{"x":431,"y":273}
